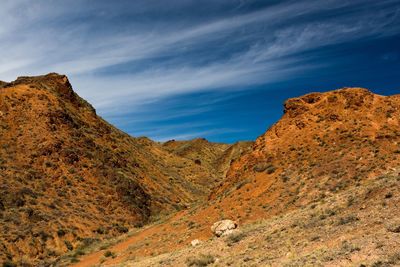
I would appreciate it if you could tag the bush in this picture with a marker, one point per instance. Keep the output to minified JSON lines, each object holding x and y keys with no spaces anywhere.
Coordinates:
{"x":78,"y":252}
{"x":9,"y":264}
{"x":267,"y":167}
{"x":121,"y":229}
{"x":270,"y":169}
{"x":61,"y":232}
{"x":347,"y":219}
{"x":201,"y":260}
{"x":109,"y":253}
{"x":101,"y":230}
{"x":68,"y":245}
{"x":260,"y":167}
{"x":234,"y":238}
{"x":74,"y":259}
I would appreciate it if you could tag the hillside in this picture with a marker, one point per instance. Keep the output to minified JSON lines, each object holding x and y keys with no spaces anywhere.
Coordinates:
{"x":213,"y":156}
{"x":325,"y":174}
{"x":68,"y":178}
{"x":358,"y":226}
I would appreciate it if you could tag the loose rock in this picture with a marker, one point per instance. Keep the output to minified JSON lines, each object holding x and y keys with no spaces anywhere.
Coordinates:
{"x":223,"y":228}
{"x":195,"y":242}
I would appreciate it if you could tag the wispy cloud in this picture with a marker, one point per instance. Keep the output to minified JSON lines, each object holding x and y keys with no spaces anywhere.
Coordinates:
{"x":121,"y":56}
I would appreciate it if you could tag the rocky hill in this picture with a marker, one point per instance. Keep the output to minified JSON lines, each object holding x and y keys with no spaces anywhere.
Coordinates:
{"x":69,"y":178}
{"x":323,"y":179}
{"x":325,"y":142}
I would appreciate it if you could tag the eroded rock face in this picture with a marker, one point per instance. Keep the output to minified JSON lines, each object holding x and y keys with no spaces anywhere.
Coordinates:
{"x":223,"y":228}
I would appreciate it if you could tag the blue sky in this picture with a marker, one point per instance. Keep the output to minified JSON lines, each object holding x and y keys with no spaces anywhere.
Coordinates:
{"x":219,"y":69}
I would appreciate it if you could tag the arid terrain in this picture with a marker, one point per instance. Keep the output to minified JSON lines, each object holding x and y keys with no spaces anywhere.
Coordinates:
{"x":318,"y":188}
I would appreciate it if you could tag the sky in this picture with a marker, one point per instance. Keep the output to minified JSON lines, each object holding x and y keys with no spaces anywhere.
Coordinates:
{"x":218,"y":69}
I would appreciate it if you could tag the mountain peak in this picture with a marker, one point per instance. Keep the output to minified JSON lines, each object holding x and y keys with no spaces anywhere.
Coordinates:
{"x":56,"y":84}
{"x":345,"y":97}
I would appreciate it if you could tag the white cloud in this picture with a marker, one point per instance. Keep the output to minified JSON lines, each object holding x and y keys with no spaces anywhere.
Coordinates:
{"x":46,"y":36}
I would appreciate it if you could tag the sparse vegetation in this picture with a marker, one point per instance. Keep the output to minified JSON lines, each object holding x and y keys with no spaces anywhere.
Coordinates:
{"x":201,"y":260}
{"x":109,"y":253}
{"x":8,"y":263}
{"x":234,"y":238}
{"x":347,"y":219}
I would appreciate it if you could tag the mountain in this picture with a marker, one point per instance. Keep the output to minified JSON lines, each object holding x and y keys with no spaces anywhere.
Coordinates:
{"x":320,"y":187}
{"x":68,"y":178}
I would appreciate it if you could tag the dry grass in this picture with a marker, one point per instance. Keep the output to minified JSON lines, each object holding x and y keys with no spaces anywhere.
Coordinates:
{"x":310,"y":236}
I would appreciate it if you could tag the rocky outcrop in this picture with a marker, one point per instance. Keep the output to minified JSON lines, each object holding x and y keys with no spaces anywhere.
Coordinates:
{"x":223,"y":228}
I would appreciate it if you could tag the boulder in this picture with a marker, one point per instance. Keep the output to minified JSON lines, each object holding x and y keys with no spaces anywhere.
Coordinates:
{"x":195,"y":242}
{"x":223,"y":228}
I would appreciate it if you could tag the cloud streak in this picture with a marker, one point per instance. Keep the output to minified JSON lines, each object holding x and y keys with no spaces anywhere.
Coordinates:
{"x":119,"y":68}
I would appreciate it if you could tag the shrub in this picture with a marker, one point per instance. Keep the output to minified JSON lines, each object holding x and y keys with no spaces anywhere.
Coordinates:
{"x":121,"y":228}
{"x":267,"y":167}
{"x":260,"y":167}
{"x":9,"y":264}
{"x":61,"y":232}
{"x":191,"y":224}
{"x":78,"y":252}
{"x":201,"y":260}
{"x":270,"y":169}
{"x":393,"y":227}
{"x":101,"y":230}
{"x":347,"y":219}
{"x":242,"y":183}
{"x":109,"y":253}
{"x":234,"y":238}
{"x":68,"y":245}
{"x":74,"y":259}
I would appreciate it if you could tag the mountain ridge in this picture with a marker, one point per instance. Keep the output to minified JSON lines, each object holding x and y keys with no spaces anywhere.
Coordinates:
{"x":69,"y":177}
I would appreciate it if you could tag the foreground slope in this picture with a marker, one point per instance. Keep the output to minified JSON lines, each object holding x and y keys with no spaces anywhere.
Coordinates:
{"x":68,"y":178}
{"x":324,"y":148}
{"x":358,"y":226}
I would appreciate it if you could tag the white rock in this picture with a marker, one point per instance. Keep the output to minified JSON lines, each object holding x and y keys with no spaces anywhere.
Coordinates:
{"x":195,"y":242}
{"x":223,"y":228}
